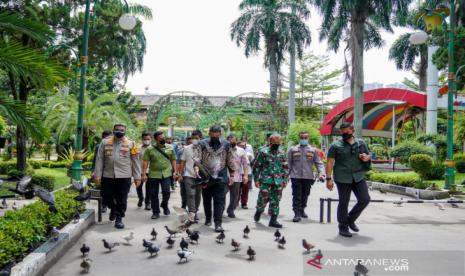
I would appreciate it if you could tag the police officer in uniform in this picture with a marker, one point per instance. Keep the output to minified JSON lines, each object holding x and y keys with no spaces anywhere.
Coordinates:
{"x":117,"y":161}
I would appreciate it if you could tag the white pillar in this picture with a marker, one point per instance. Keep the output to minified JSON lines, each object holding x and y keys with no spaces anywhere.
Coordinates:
{"x":292,"y":77}
{"x":432,"y":93}
{"x":393,"y":126}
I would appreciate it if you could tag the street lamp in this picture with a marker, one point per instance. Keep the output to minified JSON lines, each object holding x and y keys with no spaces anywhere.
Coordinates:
{"x":433,"y":20}
{"x":127,"y":22}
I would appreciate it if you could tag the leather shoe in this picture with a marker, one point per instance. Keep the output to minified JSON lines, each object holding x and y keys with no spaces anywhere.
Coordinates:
{"x":353,"y":227}
{"x":208,"y":222}
{"x":303,"y":214}
{"x":231,"y":215}
{"x":112,"y":216}
{"x":257,"y":216}
{"x":119,"y":223}
{"x":345,"y":233}
{"x":155,"y":216}
{"x":147,"y":207}
{"x":296,"y":219}
{"x":166,"y":211}
{"x":139,"y":203}
{"x":218,"y":228}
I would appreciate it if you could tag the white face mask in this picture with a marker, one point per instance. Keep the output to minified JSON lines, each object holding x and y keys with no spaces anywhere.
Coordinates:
{"x":147,"y":142}
{"x":195,"y":142}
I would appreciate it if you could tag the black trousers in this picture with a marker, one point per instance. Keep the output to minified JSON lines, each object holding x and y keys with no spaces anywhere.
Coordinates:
{"x":154,"y":188}
{"x":115,"y":194}
{"x":216,"y":194}
{"x":183,"y":194}
{"x":140,"y":193}
{"x":344,"y":190}
{"x":300,"y":193}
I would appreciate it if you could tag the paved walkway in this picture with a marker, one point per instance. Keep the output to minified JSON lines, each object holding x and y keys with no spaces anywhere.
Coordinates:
{"x":422,"y":227}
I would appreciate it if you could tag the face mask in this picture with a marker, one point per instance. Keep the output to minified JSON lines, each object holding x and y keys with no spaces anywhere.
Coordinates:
{"x":162,"y":142}
{"x":118,"y":134}
{"x":233,"y":145}
{"x":303,"y":142}
{"x":215,"y":140}
{"x":195,"y":142}
{"x":346,"y":136}
{"x":146,"y":142}
{"x":274,"y":146}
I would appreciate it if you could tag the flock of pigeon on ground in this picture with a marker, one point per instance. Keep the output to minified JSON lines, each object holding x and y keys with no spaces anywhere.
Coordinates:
{"x":192,"y":237}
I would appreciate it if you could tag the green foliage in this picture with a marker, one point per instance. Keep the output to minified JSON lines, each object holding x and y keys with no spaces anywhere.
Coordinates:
{"x":36,"y":164}
{"x":421,"y":164}
{"x":407,"y":148}
{"x":25,"y":229}
{"x":6,"y":166}
{"x":436,"y":171}
{"x":381,"y":152}
{"x":44,"y":180}
{"x":68,"y":155}
{"x":87,"y":166}
{"x":403,"y":179}
{"x":2,"y":126}
{"x":312,"y":129}
{"x":14,"y":174}
{"x":460,"y":162}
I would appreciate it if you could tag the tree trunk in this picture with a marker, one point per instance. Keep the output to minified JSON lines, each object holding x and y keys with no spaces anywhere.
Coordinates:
{"x":273,"y":67}
{"x":21,"y":137}
{"x":357,"y":80}
{"x":423,"y":68}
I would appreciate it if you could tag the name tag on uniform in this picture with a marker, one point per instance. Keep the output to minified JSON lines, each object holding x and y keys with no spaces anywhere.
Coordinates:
{"x":108,"y":152}
{"x":124,"y":151}
{"x":309,"y":155}
{"x":296,"y":155}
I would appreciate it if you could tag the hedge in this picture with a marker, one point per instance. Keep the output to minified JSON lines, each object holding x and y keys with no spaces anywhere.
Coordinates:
{"x":460,"y":162}
{"x":407,"y":148}
{"x":44,"y":180}
{"x":6,"y":166}
{"x":24,"y":230}
{"x":421,"y":164}
{"x":404,"y":179}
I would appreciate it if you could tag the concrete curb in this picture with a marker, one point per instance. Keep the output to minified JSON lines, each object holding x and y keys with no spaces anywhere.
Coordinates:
{"x":408,"y":191}
{"x":41,"y":259}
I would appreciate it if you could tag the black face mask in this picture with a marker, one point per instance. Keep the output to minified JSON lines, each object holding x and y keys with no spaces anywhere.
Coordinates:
{"x":346,"y":136}
{"x":274,"y":146}
{"x":118,"y":134}
{"x":233,"y":145}
{"x":162,"y":142}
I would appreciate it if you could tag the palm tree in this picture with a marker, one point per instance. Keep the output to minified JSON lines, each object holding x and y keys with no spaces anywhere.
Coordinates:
{"x":357,"y":22}
{"x":280,"y":23}
{"x":100,"y":114}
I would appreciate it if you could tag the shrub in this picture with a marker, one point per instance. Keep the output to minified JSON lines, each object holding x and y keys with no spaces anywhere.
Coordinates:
{"x":36,"y":164}
{"x":421,"y":164}
{"x":422,"y":185}
{"x":87,"y":166}
{"x":23,"y":230}
{"x":296,"y":128}
{"x":44,"y":180}
{"x":59,"y":164}
{"x":15,"y":174}
{"x":6,"y":166}
{"x":404,"y":179}
{"x":436,"y":171}
{"x":460,"y":162}
{"x":407,"y":148}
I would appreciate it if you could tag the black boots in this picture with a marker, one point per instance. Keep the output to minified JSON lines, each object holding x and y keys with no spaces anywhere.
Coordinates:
{"x":296,"y":216}
{"x":257,"y":216}
{"x":119,"y":223}
{"x":303,"y":214}
{"x":274,"y":222}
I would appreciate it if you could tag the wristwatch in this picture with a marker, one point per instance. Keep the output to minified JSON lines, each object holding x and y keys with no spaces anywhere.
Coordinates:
{"x":329,"y":178}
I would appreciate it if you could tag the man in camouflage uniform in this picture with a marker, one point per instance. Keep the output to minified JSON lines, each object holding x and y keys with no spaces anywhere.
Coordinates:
{"x":117,"y":161}
{"x":271,"y":176}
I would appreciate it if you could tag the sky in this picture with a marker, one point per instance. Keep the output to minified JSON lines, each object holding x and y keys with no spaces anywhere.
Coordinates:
{"x":189,"y":48}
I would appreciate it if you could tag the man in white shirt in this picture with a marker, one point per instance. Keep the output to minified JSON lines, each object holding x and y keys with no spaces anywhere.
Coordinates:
{"x":191,"y":154}
{"x":246,"y":185}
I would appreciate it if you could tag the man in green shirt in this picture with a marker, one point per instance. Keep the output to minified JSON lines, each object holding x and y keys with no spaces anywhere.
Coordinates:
{"x":160,"y":160}
{"x":350,"y":159}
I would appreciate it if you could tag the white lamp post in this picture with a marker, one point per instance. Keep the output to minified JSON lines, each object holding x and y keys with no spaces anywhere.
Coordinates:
{"x":127,"y":22}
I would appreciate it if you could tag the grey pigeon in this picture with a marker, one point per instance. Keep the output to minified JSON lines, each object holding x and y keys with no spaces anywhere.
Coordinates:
{"x":47,"y":197}
{"x":55,"y":233}
{"x":153,"y":249}
{"x":361,"y":269}
{"x":235,"y":244}
{"x":80,"y":185}
{"x":282,"y":242}
{"x":128,"y":238}
{"x":84,"y":250}
{"x":4,"y":204}
{"x":183,"y":244}
{"x":277,"y":235}
{"x":146,"y":244}
{"x":307,"y":246}
{"x":184,"y":255}
{"x":85,"y":264}
{"x":153,"y":234}
{"x":76,"y":217}
{"x":318,"y":256}
{"x":251,"y":253}
{"x":246,"y":232}
{"x":170,"y":242}
{"x":109,"y":245}
{"x":14,"y":207}
{"x":193,"y":236}
{"x":22,"y":187}
{"x":220,"y":238}
{"x":170,"y":231}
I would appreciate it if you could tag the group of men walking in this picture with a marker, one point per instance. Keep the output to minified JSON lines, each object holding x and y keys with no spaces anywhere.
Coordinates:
{"x":207,"y":169}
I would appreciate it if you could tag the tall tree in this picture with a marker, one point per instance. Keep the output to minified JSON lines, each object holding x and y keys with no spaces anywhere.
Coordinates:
{"x":280,"y":24}
{"x":358,"y":22}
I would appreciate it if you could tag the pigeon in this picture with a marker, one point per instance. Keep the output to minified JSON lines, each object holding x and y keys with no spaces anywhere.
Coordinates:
{"x":440,"y":206}
{"x":318,"y":256}
{"x":454,"y":205}
{"x":76,"y":217}
{"x":153,"y":234}
{"x":153,"y":249}
{"x":128,"y":238}
{"x":382,"y":191}
{"x":282,"y":242}
{"x":220,"y":238}
{"x":14,"y":207}
{"x":146,"y":244}
{"x":193,"y":236}
{"x":307,"y":246}
{"x":183,"y":244}
{"x":251,"y":253}
{"x":55,"y":234}
{"x":80,"y":186}
{"x":170,"y":231}
{"x":21,"y":187}
{"x":109,"y":245}
{"x":397,"y":203}
{"x":361,"y":269}
{"x":170,"y":242}
{"x":84,"y":250}
{"x":246,"y":232}
{"x":83,"y":196}
{"x":184,"y":220}
{"x":85,"y":264}
{"x":4,"y":204}
{"x":184,"y":254}
{"x":47,"y":197}
{"x":235,"y":244}
{"x":277,"y":235}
